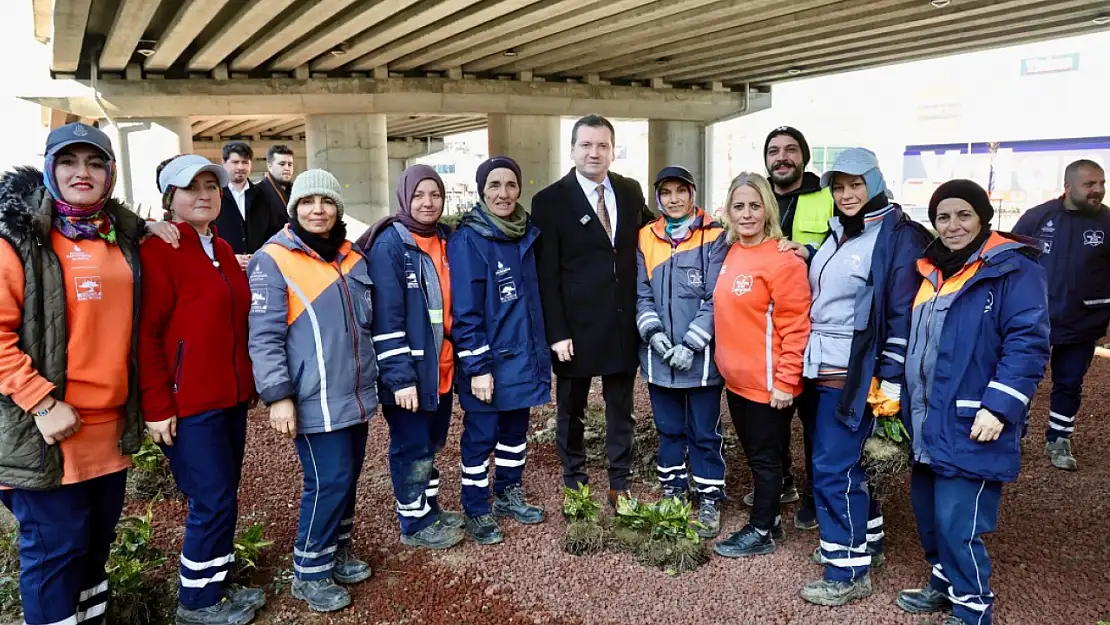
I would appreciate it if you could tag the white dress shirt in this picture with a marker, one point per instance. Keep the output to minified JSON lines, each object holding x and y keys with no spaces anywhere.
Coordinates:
{"x":589,"y":187}
{"x":240,"y":197}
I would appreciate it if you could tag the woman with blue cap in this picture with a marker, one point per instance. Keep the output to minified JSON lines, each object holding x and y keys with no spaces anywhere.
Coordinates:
{"x":863,"y":282}
{"x":196,"y":380}
{"x":504,"y":360}
{"x":679,"y":256}
{"x":69,"y":379}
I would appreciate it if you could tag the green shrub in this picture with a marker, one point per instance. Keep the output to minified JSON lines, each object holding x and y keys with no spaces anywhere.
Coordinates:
{"x":584,"y":535}
{"x":660,"y":534}
{"x":140,"y":595}
{"x":579,"y":505}
{"x":669,"y":518}
{"x":10,"y":604}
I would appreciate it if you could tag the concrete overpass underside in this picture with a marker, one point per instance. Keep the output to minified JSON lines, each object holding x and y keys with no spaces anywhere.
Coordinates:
{"x":351,"y":75}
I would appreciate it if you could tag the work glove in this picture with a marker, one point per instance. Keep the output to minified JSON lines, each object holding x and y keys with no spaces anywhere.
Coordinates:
{"x":661,"y":344}
{"x":885,"y":398}
{"x":682,"y":357}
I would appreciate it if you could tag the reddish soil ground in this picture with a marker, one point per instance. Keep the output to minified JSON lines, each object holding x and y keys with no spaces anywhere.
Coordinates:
{"x":1051,"y":551}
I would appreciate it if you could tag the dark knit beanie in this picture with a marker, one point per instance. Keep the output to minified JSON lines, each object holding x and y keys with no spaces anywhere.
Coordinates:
{"x":967,"y":191}
{"x":796,"y":135}
{"x":492,"y":163}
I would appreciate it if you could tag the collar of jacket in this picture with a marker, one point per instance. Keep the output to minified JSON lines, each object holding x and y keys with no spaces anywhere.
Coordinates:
{"x":289,"y":240}
{"x":701,"y":221}
{"x":997,"y":248}
{"x":27,"y":210}
{"x":407,"y":238}
{"x":477,"y":220}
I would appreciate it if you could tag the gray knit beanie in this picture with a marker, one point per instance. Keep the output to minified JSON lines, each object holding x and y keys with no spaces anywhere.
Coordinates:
{"x":315,"y":182}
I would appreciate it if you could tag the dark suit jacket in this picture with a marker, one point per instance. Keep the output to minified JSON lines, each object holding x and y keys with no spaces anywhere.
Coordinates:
{"x":587,"y":284}
{"x":264,"y":219}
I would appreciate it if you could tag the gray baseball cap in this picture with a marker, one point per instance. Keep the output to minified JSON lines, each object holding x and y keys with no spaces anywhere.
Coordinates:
{"x":180,"y":171}
{"x":77,"y":132}
{"x":853,"y":161}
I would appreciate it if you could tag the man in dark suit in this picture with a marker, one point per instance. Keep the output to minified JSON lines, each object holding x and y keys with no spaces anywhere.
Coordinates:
{"x":588,"y":224}
{"x":247,"y":220}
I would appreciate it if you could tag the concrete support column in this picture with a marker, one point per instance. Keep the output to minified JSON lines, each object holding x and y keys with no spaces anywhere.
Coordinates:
{"x":677,"y":143}
{"x":141,"y":145}
{"x":353,"y":148}
{"x":396,"y":168}
{"x":533,"y":142}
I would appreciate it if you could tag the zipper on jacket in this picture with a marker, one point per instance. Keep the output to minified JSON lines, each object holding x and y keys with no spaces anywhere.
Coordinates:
{"x":668,"y":281}
{"x":345,"y":290}
{"x":177,"y":365}
{"x":924,"y":380}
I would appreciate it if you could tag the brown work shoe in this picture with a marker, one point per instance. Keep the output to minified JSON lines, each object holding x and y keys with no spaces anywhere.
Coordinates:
{"x":615,"y":494}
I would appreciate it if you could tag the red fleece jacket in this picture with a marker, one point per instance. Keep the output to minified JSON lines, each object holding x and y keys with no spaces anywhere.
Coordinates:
{"x":192,"y":328}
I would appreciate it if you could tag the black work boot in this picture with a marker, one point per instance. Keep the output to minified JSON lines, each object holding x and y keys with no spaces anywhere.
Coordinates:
{"x":511,"y":503}
{"x":223,"y":613}
{"x":436,"y":536}
{"x":805,"y":517}
{"x":348,"y":568}
{"x":484,"y":530}
{"x":321,"y":595}
{"x":254,"y":598}
{"x":829,"y":593}
{"x":925,"y":600}
{"x":709,"y":519}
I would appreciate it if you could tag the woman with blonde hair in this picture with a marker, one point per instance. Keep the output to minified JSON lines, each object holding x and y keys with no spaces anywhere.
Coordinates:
{"x":761,"y":327}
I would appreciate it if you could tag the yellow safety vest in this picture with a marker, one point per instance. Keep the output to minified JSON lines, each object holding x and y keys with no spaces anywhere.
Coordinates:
{"x":811,"y":217}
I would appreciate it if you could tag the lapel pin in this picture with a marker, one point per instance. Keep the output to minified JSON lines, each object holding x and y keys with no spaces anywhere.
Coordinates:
{"x":585,"y":219}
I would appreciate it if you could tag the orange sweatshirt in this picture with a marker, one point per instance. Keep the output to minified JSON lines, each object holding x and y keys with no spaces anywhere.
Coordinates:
{"x":99,"y":306}
{"x":437,"y":250}
{"x":761,"y":320}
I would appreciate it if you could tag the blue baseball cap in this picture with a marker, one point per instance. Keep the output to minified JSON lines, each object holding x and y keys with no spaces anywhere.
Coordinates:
{"x":77,"y":132}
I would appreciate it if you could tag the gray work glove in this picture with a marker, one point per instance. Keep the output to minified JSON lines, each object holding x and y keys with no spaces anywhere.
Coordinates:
{"x":682,"y":358}
{"x":661,"y":344}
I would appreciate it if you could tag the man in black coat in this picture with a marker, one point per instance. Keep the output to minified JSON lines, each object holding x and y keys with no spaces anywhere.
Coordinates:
{"x":589,"y":222}
{"x":246,"y":220}
{"x":272,"y":195}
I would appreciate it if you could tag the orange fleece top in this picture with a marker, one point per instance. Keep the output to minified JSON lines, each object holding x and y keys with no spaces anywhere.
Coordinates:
{"x":761,"y":320}
{"x":99,"y":313}
{"x":434,"y":247}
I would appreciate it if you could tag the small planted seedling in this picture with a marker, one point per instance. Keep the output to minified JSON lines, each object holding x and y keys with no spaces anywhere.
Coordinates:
{"x":150,"y":478}
{"x":248,"y":550}
{"x":886,"y":453}
{"x":584,"y":534}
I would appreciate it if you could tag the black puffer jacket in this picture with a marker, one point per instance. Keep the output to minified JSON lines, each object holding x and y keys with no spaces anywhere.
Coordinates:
{"x":26,"y":214}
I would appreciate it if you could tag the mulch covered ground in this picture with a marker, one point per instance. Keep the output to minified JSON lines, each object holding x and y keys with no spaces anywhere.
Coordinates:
{"x":1051,"y":552}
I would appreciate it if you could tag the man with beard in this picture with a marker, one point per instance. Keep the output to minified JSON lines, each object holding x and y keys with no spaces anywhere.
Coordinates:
{"x":1072,"y":230}
{"x":804,"y":207}
{"x":804,"y":212}
{"x":272,"y":196}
